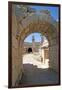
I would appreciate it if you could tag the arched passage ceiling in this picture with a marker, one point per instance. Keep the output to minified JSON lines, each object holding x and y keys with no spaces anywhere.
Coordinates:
{"x":41,"y":22}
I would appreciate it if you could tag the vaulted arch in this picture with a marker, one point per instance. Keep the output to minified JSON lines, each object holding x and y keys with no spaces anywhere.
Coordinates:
{"x":47,"y":28}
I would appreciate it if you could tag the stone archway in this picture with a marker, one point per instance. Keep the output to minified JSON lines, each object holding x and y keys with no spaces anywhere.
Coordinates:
{"x":45,"y":30}
{"x":42,"y":23}
{"x":49,"y":31}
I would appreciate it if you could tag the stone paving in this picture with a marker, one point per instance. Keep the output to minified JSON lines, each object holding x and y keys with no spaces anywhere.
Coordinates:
{"x":34,"y":74}
{"x":35,"y":59}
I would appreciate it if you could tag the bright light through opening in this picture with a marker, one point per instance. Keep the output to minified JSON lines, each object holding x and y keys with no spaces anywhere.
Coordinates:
{"x":38,"y":56}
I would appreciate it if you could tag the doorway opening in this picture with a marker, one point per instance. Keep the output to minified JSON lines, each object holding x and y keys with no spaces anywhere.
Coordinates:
{"x":29,"y":50}
{"x":36,"y":50}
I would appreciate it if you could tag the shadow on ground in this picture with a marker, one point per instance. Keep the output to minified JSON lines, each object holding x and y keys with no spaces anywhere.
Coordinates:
{"x":37,"y":76}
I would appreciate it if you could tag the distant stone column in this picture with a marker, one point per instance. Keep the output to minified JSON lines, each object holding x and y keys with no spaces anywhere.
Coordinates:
{"x":33,"y":44}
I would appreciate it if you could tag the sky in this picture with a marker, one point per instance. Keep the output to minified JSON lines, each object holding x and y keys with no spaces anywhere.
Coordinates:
{"x":53,"y":10}
{"x":36,"y":36}
{"x":54,"y":14}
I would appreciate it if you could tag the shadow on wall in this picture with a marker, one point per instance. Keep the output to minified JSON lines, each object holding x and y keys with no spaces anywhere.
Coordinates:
{"x":37,"y":76}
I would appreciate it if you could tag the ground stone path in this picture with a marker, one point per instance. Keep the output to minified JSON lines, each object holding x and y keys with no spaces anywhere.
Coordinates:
{"x":35,"y":73}
{"x":34,"y":59}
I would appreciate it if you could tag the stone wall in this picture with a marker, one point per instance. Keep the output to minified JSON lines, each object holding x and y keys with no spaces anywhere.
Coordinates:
{"x":16,"y":60}
{"x":53,"y":55}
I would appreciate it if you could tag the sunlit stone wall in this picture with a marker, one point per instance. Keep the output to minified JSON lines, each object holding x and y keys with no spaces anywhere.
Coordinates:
{"x":16,"y":59}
